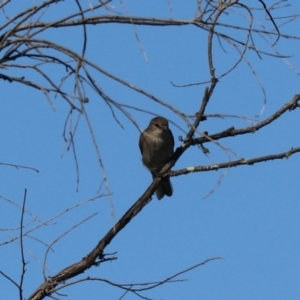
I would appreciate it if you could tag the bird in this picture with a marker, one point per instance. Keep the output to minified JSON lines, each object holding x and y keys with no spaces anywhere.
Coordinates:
{"x":157,"y":146}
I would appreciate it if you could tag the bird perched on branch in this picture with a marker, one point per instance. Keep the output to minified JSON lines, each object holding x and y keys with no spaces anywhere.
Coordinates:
{"x":157,"y":146}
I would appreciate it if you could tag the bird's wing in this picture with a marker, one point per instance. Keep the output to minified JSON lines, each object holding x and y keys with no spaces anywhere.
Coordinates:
{"x":141,"y":143}
{"x":173,"y":143}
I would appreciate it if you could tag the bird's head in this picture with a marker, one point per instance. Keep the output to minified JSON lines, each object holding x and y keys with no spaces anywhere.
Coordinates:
{"x":159,"y":123}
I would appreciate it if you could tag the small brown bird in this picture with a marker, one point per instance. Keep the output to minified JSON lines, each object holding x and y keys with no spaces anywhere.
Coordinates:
{"x":157,"y":146}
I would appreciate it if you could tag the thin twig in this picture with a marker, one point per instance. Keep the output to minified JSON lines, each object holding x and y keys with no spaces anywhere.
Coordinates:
{"x":22,"y":248}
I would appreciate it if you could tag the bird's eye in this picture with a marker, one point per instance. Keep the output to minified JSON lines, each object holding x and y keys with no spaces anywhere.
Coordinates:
{"x":156,"y":125}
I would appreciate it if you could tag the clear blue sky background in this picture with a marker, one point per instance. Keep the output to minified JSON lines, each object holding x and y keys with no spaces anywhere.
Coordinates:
{"x":251,"y":219}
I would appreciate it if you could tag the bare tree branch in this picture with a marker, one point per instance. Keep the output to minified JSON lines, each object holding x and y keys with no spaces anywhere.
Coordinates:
{"x":22,"y":249}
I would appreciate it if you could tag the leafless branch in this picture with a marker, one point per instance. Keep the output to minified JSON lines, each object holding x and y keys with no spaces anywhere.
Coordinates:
{"x":61,"y":236}
{"x":20,"y":167}
{"x":236,"y":163}
{"x":25,"y":50}
{"x":144,"y":286}
{"x":22,"y":248}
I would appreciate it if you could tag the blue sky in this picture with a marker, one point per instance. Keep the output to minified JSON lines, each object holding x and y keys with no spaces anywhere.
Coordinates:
{"x":251,"y":219}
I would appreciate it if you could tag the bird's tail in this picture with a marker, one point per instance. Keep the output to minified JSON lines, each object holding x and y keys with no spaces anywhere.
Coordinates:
{"x":165,"y":188}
